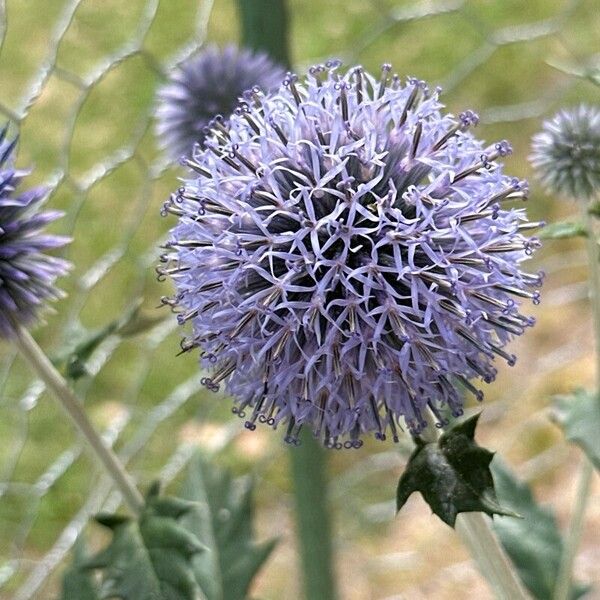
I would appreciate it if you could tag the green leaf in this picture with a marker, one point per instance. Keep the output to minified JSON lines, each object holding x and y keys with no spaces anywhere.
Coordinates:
{"x":594,"y":209}
{"x":563,"y":230}
{"x":151,"y":556}
{"x":579,"y":417}
{"x":589,"y":73}
{"x":224,"y":523}
{"x":453,"y":475}
{"x":533,"y":543}
{"x":75,"y":357}
{"x":77,"y":582}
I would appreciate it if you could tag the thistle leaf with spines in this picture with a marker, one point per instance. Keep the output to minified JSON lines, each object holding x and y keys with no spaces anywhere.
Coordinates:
{"x":579,"y":417}
{"x":533,"y":543}
{"x":587,"y":72}
{"x":77,"y":581}
{"x":453,"y":475}
{"x":563,"y":230}
{"x":594,"y":209}
{"x":74,"y":358}
{"x":149,"y":556}
{"x":224,"y":523}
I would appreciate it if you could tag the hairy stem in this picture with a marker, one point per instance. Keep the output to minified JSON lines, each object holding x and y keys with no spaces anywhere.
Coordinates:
{"x":58,"y":386}
{"x":312,"y":518}
{"x":476,"y":533}
{"x":594,"y":291}
{"x":562,"y":590}
{"x":565,"y":571}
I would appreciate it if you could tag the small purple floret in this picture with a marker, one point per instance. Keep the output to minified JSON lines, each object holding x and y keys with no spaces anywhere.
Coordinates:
{"x":347,"y":256}
{"x":27,"y":273}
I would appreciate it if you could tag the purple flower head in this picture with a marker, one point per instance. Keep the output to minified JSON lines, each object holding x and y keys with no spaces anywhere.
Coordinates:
{"x":347,"y":255}
{"x":27,"y":274}
{"x":566,"y":153}
{"x":205,"y":86}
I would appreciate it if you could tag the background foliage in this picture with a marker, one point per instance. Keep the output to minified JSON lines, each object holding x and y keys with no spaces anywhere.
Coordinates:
{"x":78,"y":78}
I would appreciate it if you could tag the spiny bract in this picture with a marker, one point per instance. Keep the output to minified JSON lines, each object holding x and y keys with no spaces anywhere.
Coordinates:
{"x":27,"y":274}
{"x":566,"y":153}
{"x":204,"y":86}
{"x":345,"y":257}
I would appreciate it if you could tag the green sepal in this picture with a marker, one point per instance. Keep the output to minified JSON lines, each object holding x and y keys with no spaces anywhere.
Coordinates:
{"x":453,"y":475}
{"x":533,"y":543}
{"x":563,"y":230}
{"x":579,"y":417}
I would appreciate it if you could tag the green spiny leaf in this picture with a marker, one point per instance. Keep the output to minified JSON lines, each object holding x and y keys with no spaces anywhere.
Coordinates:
{"x":579,"y":417}
{"x":589,"y":73}
{"x":594,"y":209}
{"x":533,"y":543}
{"x":452,"y":475}
{"x":77,"y":582}
{"x":563,"y":230}
{"x":224,"y":523}
{"x":75,"y":357}
{"x":151,"y":556}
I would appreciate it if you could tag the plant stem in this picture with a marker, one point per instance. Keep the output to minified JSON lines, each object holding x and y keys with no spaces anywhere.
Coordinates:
{"x":58,"y":386}
{"x":476,"y":533}
{"x":264,"y":26}
{"x":562,"y":589}
{"x":594,"y":291}
{"x":312,"y":518}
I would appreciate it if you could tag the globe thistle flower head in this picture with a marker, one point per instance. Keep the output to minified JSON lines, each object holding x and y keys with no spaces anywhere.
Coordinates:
{"x":27,"y":273}
{"x":206,"y":85}
{"x":566,"y":153}
{"x":348,"y":256}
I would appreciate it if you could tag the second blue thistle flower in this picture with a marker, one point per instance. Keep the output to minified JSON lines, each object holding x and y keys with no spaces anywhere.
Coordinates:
{"x":204,"y":86}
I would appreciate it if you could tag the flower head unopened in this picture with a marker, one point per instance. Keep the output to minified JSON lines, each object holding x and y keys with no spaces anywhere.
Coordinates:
{"x":205,"y":86}
{"x":566,"y":153}
{"x":27,"y":274}
{"x":347,"y":255}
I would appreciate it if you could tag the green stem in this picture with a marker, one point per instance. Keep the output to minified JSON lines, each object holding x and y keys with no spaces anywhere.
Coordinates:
{"x":264,"y":26}
{"x":312,"y":517}
{"x":562,"y":590}
{"x":594,"y":271}
{"x":58,"y":386}
{"x":476,"y":533}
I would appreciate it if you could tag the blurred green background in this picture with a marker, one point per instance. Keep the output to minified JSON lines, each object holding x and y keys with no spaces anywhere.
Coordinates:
{"x":79,"y":78}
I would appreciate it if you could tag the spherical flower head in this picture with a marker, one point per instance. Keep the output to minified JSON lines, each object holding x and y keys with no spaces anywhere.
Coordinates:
{"x":566,"y":153}
{"x":348,"y":257}
{"x":206,"y":85}
{"x":27,"y":273}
